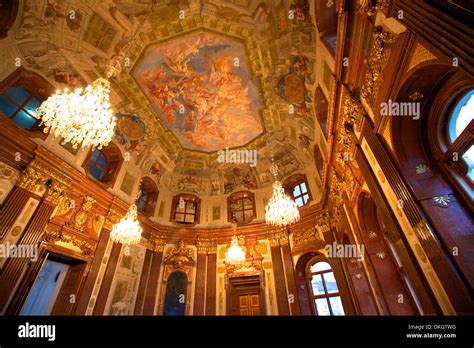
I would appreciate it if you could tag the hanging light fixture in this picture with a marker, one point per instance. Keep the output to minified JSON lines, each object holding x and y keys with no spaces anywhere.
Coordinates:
{"x":234,"y":255}
{"x":85,"y":115}
{"x":128,"y":230}
{"x":280,"y":210}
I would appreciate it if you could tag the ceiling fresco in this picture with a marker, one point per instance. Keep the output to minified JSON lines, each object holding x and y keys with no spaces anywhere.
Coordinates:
{"x":201,"y":75}
{"x":200,"y":87}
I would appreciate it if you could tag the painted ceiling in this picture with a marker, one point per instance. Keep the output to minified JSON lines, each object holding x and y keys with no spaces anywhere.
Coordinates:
{"x":200,"y":87}
{"x":200,"y":76}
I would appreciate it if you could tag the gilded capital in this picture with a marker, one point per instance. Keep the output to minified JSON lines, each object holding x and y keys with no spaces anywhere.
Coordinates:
{"x":206,"y":245}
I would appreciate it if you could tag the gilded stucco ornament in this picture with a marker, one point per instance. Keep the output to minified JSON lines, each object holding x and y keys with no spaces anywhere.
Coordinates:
{"x":83,"y":214}
{"x":376,"y":63}
{"x":31,"y":180}
{"x":56,"y":193}
{"x":206,"y":245}
{"x":179,"y":256}
{"x":54,"y":237}
{"x":371,"y":7}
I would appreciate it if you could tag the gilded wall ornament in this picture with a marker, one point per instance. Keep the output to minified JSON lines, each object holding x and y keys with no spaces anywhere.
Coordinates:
{"x":179,"y":256}
{"x":83,"y":214}
{"x":31,"y":180}
{"x":206,"y":245}
{"x":56,"y":193}
{"x":376,"y":64}
{"x":371,"y":7}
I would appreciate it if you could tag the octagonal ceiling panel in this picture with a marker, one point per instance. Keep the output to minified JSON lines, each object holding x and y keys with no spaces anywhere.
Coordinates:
{"x":201,"y":89}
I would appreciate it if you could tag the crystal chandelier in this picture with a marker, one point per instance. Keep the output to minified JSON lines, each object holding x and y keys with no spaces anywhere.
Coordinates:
{"x":127,"y":231}
{"x":84,"y":116}
{"x":281,"y":210}
{"x":234,"y":255}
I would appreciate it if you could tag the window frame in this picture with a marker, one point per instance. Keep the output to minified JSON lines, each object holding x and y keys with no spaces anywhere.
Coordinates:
{"x":22,"y":107}
{"x":114,"y":161}
{"x":188,"y":198}
{"x":233,"y":198}
{"x":293,"y":181}
{"x":440,"y":115}
{"x":36,"y":86}
{"x":151,"y":195}
{"x":326,"y":295}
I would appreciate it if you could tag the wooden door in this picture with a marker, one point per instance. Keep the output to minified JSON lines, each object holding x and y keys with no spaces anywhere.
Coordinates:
{"x":68,"y":295}
{"x":249,"y":304}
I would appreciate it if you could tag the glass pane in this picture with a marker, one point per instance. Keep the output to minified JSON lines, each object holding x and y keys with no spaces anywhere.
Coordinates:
{"x":6,"y":107}
{"x":179,"y":217}
{"x":330,"y":281}
{"x":317,"y":285}
{"x":296,"y":191}
{"x":336,"y":305}
{"x":322,"y":307}
{"x":94,"y":155}
{"x":248,"y":204}
{"x":469,"y":158}
{"x":190,"y":208}
{"x":248,"y":214}
{"x":180,"y":208}
{"x":239,"y":216}
{"x":141,"y":202}
{"x":97,"y":173}
{"x":305,"y":198}
{"x":102,"y":160}
{"x":238,"y":204}
{"x":18,"y":94}
{"x":303,"y":187}
{"x":320,"y":266}
{"x":24,"y":120}
{"x":299,"y":202}
{"x":461,"y":116}
{"x":32,"y":105}
{"x":189,"y":218}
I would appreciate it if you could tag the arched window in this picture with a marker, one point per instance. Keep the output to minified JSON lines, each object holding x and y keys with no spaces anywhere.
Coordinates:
{"x":241,"y":207}
{"x":297,"y":187}
{"x":148,"y":196}
{"x":104,"y":164}
{"x":175,"y":293}
{"x":185,"y":209}
{"x":322,"y":288}
{"x":19,"y":105}
{"x":460,"y":128}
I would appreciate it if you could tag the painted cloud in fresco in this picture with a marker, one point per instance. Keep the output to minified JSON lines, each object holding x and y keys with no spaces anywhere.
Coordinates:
{"x":199,"y":93}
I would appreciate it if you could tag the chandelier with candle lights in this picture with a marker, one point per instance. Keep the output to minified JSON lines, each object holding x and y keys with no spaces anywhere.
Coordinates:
{"x":84,"y":116}
{"x":127,"y":231}
{"x":280,"y":210}
{"x":234,"y":255}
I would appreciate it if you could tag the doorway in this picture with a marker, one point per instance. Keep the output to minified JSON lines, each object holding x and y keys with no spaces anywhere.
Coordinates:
{"x":55,"y":288}
{"x":45,"y":291}
{"x":245,"y":296}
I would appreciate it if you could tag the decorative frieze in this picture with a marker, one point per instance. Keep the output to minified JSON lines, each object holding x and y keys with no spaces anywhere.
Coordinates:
{"x":376,"y":64}
{"x":53,"y":237}
{"x":206,"y":245}
{"x":278,"y":236}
